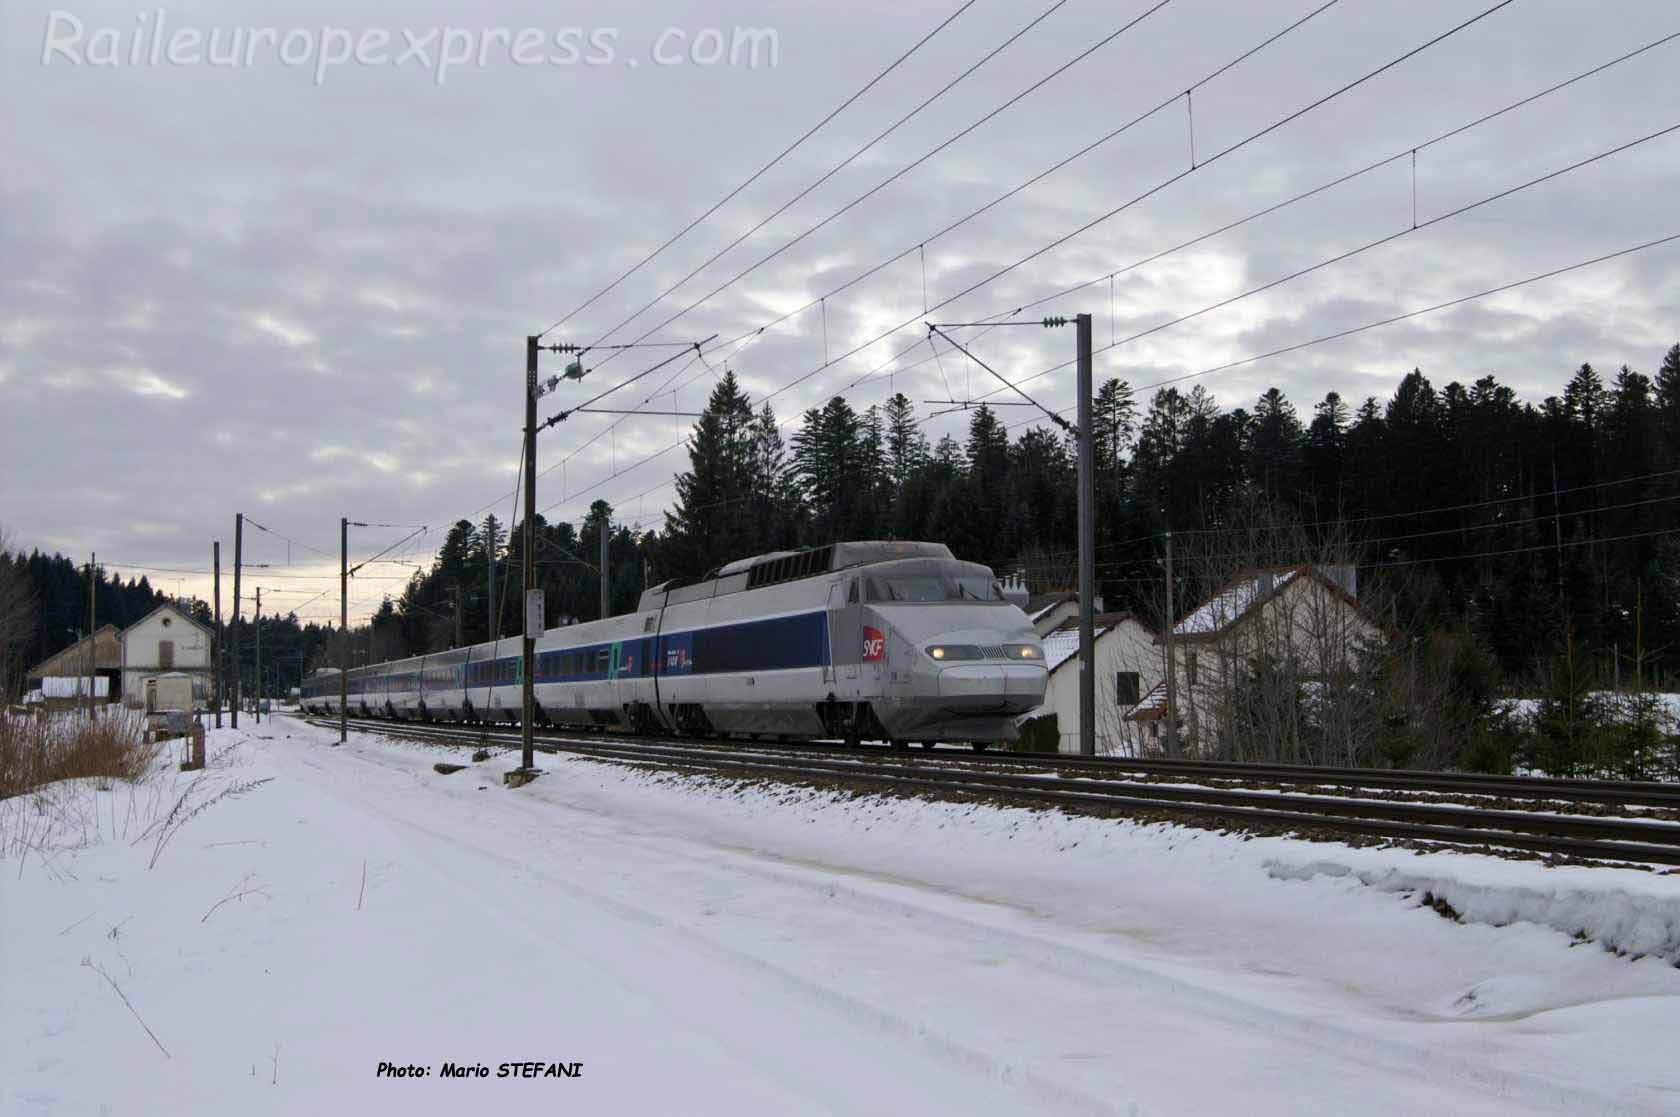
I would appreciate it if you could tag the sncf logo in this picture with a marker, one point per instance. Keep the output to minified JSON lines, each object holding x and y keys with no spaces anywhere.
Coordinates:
{"x":874,"y":646}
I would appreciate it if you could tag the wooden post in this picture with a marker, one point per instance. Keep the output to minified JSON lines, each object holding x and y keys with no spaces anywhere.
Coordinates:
{"x":258,"y":638}
{"x":216,"y":653}
{"x":93,"y":630}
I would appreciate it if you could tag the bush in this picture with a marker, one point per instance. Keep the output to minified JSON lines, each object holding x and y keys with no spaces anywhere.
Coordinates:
{"x":1040,"y":734}
{"x":35,"y":751}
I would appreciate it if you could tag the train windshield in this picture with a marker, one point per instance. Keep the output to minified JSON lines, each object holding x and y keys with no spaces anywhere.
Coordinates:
{"x":932,"y":587}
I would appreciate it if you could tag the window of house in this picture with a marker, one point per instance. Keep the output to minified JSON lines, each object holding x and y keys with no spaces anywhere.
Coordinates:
{"x":1126,"y":688}
{"x":166,"y":653}
{"x":1190,"y":668}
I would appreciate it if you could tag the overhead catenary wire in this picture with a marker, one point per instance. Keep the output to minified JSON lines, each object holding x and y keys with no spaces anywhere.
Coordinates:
{"x":1304,"y":195}
{"x":1054,"y":418}
{"x":1420,"y":311}
{"x":287,"y":538}
{"x":744,"y":338}
{"x":1165,"y":183}
{"x":902,"y":171}
{"x":756,"y":175}
{"x":832,"y":171}
{"x":1390,"y":320}
{"x":1379,"y":242}
{"x":1238,"y":145}
{"x":1112,"y":134}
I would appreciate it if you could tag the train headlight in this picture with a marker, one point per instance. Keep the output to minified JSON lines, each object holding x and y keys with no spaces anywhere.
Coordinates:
{"x":947,"y":653}
{"x":1028,"y":652}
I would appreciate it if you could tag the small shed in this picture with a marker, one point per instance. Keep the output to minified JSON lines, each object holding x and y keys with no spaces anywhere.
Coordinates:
{"x":105,"y":649}
{"x":165,"y":640}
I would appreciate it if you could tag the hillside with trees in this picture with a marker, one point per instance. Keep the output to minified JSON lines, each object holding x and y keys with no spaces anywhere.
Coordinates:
{"x":1532,"y":533}
{"x":1521,"y":523}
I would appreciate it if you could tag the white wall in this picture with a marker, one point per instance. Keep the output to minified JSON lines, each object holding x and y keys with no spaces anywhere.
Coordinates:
{"x":1127,"y":646}
{"x":140,"y":650}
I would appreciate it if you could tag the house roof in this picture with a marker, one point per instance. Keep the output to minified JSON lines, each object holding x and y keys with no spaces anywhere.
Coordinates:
{"x":1250,"y":590}
{"x":1062,"y":644}
{"x":1039,"y":604}
{"x":1153,"y":706}
{"x":1238,"y":597}
{"x":178,"y":611}
{"x":106,"y":634}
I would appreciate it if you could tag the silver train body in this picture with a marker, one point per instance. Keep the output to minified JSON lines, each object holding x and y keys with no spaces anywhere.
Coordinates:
{"x":884,"y":640}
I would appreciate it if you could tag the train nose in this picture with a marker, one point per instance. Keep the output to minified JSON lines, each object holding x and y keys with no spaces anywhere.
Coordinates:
{"x":1004,"y":683}
{"x":979,"y":680}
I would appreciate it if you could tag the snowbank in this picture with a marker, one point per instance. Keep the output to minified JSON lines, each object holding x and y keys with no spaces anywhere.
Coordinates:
{"x":1619,"y":918}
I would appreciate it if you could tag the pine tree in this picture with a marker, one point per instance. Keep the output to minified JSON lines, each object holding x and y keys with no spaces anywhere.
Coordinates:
{"x":705,"y":527}
{"x":1276,"y":440}
{"x":906,"y":449}
{"x":1668,"y":401}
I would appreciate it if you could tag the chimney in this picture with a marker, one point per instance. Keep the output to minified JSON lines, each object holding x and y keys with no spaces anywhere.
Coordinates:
{"x":1346,"y":577}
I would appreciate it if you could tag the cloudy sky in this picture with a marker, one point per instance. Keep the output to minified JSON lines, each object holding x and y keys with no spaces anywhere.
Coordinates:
{"x":291,"y":272}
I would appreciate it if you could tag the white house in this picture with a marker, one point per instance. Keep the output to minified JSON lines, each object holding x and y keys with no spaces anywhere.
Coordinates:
{"x":165,"y":640}
{"x":1129,"y":665}
{"x":1305,"y":616}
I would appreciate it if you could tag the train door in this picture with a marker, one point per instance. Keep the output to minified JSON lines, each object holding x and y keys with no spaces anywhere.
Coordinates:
{"x":846,"y":624}
{"x":836,"y":605}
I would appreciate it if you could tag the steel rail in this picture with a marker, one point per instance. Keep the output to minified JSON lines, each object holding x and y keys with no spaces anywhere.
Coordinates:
{"x":1530,"y":788}
{"x":1587,"y":837}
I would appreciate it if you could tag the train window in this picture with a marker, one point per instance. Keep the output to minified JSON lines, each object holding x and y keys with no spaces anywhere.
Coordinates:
{"x":852,"y":594}
{"x":933,"y":587}
{"x":603,"y":660}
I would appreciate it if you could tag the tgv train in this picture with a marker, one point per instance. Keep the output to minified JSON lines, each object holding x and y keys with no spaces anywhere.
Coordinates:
{"x":883,"y":640}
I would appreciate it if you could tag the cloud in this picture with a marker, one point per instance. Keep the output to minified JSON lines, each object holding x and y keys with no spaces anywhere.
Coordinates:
{"x":144,"y":382}
{"x":359,"y":263}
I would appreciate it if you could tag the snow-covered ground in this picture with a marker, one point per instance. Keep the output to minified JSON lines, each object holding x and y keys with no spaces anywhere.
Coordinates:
{"x":704,"y":947}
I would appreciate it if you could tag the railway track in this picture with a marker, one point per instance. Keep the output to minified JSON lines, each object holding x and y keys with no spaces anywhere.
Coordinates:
{"x":1535,"y":790}
{"x":1071,"y":786}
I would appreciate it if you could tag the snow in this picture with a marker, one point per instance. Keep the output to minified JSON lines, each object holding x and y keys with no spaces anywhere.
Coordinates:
{"x":1232,"y":602}
{"x":1667,"y":707}
{"x":74,"y":686}
{"x":704,"y":945}
{"x":1063,"y":644}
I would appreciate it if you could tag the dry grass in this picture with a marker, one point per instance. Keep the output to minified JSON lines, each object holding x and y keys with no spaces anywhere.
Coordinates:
{"x":35,"y":752}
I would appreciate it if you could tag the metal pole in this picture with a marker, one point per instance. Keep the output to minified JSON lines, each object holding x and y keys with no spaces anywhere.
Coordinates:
{"x":1172,"y":664}
{"x":216,"y":656}
{"x":238,"y":560}
{"x":606,"y":544}
{"x":529,"y":643}
{"x":1087,"y":546}
{"x":343,"y":629}
{"x":259,"y":655}
{"x":490,"y":626}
